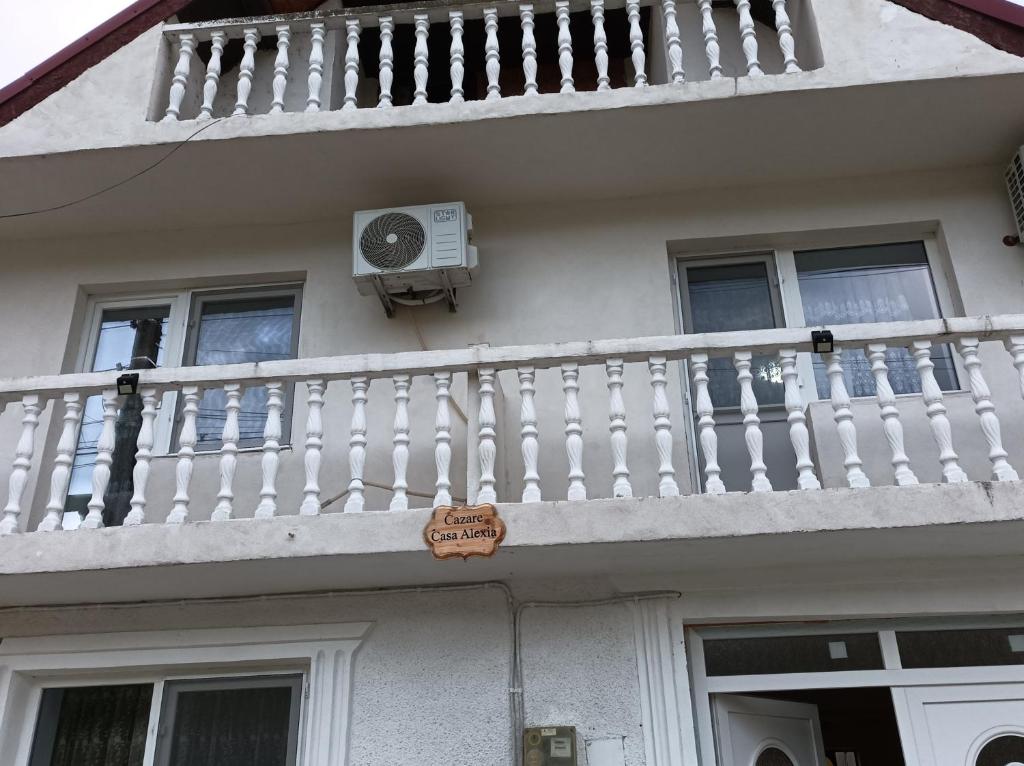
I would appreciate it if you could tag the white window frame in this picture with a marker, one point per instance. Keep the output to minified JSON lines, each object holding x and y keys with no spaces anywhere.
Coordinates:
{"x":322,"y":653}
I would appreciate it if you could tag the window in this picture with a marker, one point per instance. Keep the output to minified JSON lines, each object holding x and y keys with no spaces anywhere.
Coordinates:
{"x":792,"y":654}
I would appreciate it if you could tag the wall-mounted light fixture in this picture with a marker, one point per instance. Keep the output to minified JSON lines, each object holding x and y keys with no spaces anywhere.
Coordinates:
{"x":822,"y":341}
{"x":128,"y":383}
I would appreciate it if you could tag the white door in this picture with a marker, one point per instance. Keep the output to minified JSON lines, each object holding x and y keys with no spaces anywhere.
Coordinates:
{"x":753,"y":731}
{"x":979,"y":725}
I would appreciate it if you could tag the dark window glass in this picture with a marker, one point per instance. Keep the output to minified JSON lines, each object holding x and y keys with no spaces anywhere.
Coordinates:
{"x":772,"y":756}
{"x":878,"y":283}
{"x":792,"y":654}
{"x":92,"y":726}
{"x":961,"y":648}
{"x":1002,"y":751}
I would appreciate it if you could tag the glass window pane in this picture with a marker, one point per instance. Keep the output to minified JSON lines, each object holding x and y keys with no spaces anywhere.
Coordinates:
{"x":92,"y":726}
{"x":1002,"y":751}
{"x":877,"y":283}
{"x":772,"y":756}
{"x":792,"y":654}
{"x":961,"y":648}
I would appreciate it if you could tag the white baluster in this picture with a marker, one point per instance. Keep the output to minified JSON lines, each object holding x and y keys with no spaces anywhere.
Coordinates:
{"x":420,"y":71}
{"x":617,"y":427}
{"x":706,"y":425}
{"x":529,"y":50}
{"x":636,"y":44}
{"x":316,"y":66}
{"x":104,"y":457}
{"x":400,"y":454}
{"x":986,"y":410}
{"x":186,"y":455}
{"x":443,"y":438}
{"x":667,"y":486}
{"x":931,"y":393}
{"x":712,"y":50}
{"x":246,"y":69}
{"x":600,"y":44}
{"x":573,"y":431}
{"x":271,"y":447}
{"x":890,"y":415}
{"x":1015,"y":345}
{"x":351,"y":64}
{"x":487,"y":449}
{"x":749,"y":36}
{"x":224,"y":509}
{"x":785,"y":30}
{"x":564,"y":46}
{"x":357,"y":446}
{"x":314,"y":444}
{"x":62,"y":463}
{"x":843,"y":416}
{"x":672,"y":43}
{"x":30,"y":404}
{"x":280,"y":82}
{"x":212,"y":82}
{"x":143,"y":457}
{"x":751,"y":423}
{"x":492,"y":60}
{"x":528,"y":434}
{"x":798,"y":433}
{"x":387,"y":60}
{"x":186,"y":47}
{"x":457,"y":55}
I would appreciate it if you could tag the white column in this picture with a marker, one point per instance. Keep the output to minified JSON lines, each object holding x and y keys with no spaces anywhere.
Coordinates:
{"x":420,"y":60}
{"x":228,"y":453}
{"x":636,"y":44}
{"x":23,"y":451}
{"x":749,"y":36}
{"x":61,"y":475}
{"x":528,"y":434}
{"x":143,"y":457}
{"x":986,"y":410}
{"x":529,"y":50}
{"x":617,"y":428}
{"x":1015,"y":345}
{"x":600,"y":44}
{"x":890,"y":415}
{"x":271,"y":448}
{"x":186,"y":47}
{"x":186,"y":455}
{"x":387,"y":60}
{"x":673,"y":45}
{"x":843,"y":416}
{"x":351,"y":64}
{"x":314,"y":444}
{"x":457,"y":56}
{"x":667,"y":486}
{"x":492,"y":60}
{"x":751,"y":423}
{"x":931,"y":393}
{"x":706,"y":425}
{"x":785,"y":30}
{"x":798,"y":433}
{"x":212,"y":81}
{"x":564,"y":46}
{"x":443,"y":438}
{"x":357,"y":446}
{"x":246,"y":69}
{"x":400,"y":452}
{"x":104,"y":457}
{"x":573,"y":431}
{"x":316,"y":66}
{"x":487,"y":449}
{"x":712,"y":50}
{"x":280,"y":82}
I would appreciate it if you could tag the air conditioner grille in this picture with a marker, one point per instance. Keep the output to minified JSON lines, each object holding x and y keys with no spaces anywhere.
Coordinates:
{"x":392,"y":241}
{"x":1015,"y":185}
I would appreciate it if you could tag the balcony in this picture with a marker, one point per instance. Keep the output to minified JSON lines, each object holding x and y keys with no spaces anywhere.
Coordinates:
{"x":564,"y":438}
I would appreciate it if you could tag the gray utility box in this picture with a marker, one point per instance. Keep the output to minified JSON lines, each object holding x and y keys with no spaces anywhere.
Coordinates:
{"x":549,"y":746}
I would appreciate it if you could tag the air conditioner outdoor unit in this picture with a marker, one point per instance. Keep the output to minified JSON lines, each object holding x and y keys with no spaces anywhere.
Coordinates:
{"x":1015,"y":185}
{"x":413,"y":255}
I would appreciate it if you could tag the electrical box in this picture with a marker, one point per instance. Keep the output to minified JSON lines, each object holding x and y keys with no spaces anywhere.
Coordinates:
{"x":549,"y":746}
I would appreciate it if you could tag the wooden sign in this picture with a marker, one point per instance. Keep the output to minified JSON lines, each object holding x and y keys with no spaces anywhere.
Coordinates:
{"x":464,"y":531}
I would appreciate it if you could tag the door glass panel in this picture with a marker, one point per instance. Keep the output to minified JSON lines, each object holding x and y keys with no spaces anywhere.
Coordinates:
{"x":1007,"y":750}
{"x":961,"y":648}
{"x":792,"y":654}
{"x":878,"y":283}
{"x":772,"y":756}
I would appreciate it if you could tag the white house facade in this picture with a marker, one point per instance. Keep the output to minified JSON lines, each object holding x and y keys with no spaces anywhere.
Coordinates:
{"x":735,"y":348}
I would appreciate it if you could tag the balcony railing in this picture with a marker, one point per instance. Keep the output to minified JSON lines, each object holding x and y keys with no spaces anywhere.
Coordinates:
{"x":483,"y":436}
{"x":321,"y":59}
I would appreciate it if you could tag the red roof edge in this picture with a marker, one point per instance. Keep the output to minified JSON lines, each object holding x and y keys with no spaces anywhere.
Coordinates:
{"x":998,"y":9}
{"x":91,"y":48}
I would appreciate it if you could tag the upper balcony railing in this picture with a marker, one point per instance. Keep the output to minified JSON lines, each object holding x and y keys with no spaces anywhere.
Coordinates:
{"x":487,"y":447}
{"x":363,"y":57}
